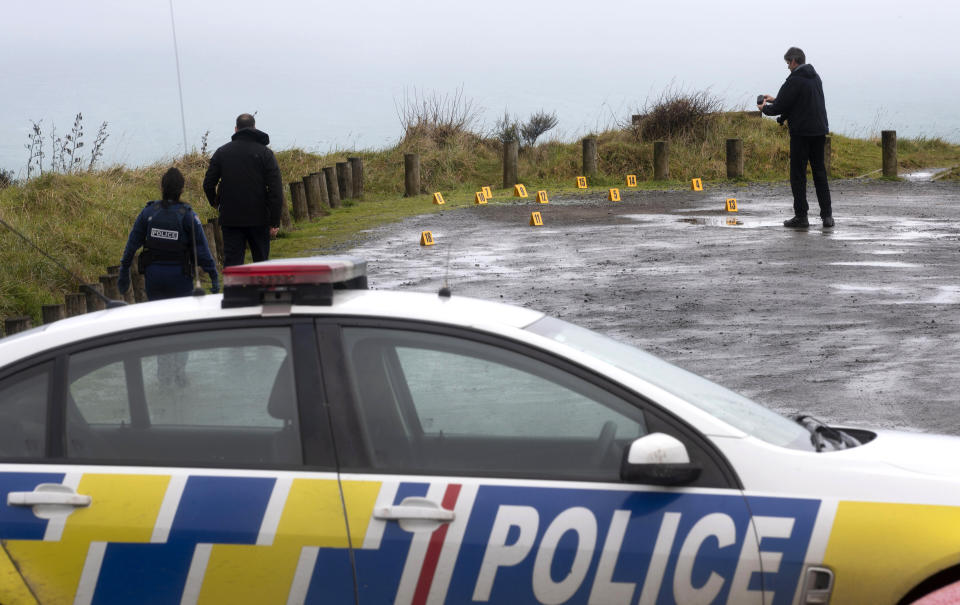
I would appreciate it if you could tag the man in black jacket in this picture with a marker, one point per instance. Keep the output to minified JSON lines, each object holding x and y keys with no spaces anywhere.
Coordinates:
{"x":800,"y":102}
{"x":250,"y":192}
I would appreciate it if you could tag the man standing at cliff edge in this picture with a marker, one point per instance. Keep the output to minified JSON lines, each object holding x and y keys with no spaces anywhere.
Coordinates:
{"x":250,"y":192}
{"x":800,"y":102}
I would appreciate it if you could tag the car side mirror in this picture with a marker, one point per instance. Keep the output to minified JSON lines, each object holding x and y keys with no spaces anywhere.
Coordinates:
{"x":658,"y":459}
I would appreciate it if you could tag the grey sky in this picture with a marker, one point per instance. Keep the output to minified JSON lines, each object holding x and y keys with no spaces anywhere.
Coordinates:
{"x":325,"y":75}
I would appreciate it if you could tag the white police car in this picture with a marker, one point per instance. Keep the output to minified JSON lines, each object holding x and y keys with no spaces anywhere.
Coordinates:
{"x":292,"y":443}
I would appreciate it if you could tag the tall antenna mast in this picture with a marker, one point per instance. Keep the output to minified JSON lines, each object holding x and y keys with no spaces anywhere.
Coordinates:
{"x":176,"y":54}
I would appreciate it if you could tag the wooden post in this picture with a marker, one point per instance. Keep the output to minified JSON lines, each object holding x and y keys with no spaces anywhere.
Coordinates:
{"x":324,"y":196}
{"x":208,"y":229}
{"x":827,"y":154}
{"x":734,"y":158}
{"x":344,"y":180}
{"x":94,"y":302}
{"x":311,"y":184}
{"x":138,"y":283}
{"x":511,"y":171}
{"x":889,"y":142}
{"x":356,"y":169}
{"x":110,"y":289}
{"x":411,"y":174}
{"x":590,"y":156}
{"x":126,"y":296}
{"x":76,"y":304}
{"x":12,"y":325}
{"x":218,"y":238}
{"x":333,"y":189}
{"x":52,"y":313}
{"x":661,"y":160}
{"x":113,"y":270}
{"x":299,"y":197}
{"x":285,"y":221}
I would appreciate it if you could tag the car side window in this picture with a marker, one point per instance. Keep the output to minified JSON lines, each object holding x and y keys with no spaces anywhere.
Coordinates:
{"x":435,"y":403}
{"x":220,"y":396}
{"x":23,"y":412}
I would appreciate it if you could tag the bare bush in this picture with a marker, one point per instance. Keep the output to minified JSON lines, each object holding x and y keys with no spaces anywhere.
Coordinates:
{"x":676,"y":113}
{"x":507,"y":129}
{"x":65,"y":155}
{"x":538,"y":124}
{"x":34,"y":147}
{"x":96,"y":152}
{"x":436,"y":117}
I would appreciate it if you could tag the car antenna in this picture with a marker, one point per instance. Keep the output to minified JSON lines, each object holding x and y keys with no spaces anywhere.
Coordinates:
{"x":110,"y":303}
{"x":445,"y":289}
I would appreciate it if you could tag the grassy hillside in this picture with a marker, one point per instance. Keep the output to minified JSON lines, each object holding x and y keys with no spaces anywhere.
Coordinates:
{"x":83,"y":219}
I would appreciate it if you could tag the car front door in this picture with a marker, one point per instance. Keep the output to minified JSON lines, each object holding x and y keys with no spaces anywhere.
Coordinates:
{"x":182,"y":465}
{"x":497,"y":479}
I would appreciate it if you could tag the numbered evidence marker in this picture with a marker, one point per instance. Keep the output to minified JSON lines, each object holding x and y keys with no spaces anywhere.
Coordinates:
{"x":487,"y":193}
{"x":631,"y":180}
{"x":542,"y":197}
{"x":731,"y":204}
{"x":480,"y":198}
{"x":519,"y":191}
{"x":696,"y":184}
{"x":438,"y":198}
{"x":581,"y":182}
{"x":536,"y":220}
{"x":614,"y":195}
{"x":426,"y":238}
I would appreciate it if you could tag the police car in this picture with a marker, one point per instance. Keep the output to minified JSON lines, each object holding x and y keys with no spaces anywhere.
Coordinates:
{"x":301,"y":439}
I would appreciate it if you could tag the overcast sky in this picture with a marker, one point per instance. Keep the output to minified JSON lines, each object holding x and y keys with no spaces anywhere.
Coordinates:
{"x":323,"y":75}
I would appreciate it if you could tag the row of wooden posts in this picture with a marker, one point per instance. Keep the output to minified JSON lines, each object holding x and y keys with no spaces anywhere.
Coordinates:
{"x":661,"y":161}
{"x":314,"y":195}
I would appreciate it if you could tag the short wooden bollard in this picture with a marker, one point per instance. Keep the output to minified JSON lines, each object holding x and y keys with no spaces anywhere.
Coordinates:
{"x":590,"y":156}
{"x":734,"y":158}
{"x":511,"y":170}
{"x":411,"y":174}
{"x":52,"y":313}
{"x":113,"y":270}
{"x":211,"y":243}
{"x":12,"y":325}
{"x":888,"y":140}
{"x":324,"y":196}
{"x":311,"y":184}
{"x":827,"y":154}
{"x":333,"y":189}
{"x":285,"y":221}
{"x":356,"y":169}
{"x":661,"y":160}
{"x":344,"y":180}
{"x":75,"y":303}
{"x":110,"y":289}
{"x":94,"y":302}
{"x":218,"y":238}
{"x":299,"y":198}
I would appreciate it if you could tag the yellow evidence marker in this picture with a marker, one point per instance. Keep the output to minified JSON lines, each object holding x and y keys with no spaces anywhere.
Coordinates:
{"x":581,"y":182}
{"x":426,"y":238}
{"x":731,"y":204}
{"x":614,"y":195}
{"x":487,"y":193}
{"x":696,"y":184}
{"x":438,"y":198}
{"x":480,"y":198}
{"x":542,"y":197}
{"x":536,"y":220}
{"x":631,"y":180}
{"x":519,"y":191}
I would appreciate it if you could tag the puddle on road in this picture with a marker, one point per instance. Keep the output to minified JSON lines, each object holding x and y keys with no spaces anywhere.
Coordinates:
{"x":871,"y":263}
{"x":669,"y":220}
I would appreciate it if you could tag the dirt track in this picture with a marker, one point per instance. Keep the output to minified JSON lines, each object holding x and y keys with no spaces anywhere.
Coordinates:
{"x":858,"y":324}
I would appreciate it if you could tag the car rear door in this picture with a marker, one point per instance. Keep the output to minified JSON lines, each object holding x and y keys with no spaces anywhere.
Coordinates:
{"x":495,"y":471}
{"x":190,"y":464}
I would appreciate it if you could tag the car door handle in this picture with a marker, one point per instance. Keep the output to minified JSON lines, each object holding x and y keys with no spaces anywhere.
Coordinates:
{"x":414,"y":508}
{"x":49,"y":498}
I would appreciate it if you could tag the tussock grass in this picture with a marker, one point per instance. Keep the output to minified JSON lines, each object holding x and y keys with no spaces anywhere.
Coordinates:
{"x":83,"y":219}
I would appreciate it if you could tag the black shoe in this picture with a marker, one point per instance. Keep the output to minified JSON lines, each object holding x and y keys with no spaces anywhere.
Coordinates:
{"x":797,"y":222}
{"x":827,"y":222}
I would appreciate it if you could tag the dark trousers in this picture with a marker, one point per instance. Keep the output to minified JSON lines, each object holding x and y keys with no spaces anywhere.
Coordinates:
{"x":803,"y":150}
{"x":236,"y":240}
{"x":166,"y":280}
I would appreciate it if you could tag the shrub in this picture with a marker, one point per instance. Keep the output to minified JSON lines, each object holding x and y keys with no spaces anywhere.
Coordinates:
{"x":435,"y":117}
{"x":538,"y":124}
{"x":675,"y":114}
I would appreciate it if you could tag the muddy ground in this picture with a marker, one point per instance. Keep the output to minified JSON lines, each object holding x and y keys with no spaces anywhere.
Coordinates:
{"x":857,"y":324}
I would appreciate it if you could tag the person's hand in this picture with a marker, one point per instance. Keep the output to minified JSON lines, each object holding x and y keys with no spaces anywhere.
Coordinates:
{"x":273,"y":232}
{"x":123,"y":280}
{"x":214,"y":283}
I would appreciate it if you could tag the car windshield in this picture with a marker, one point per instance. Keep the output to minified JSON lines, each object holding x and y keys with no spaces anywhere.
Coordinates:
{"x":732,"y":408}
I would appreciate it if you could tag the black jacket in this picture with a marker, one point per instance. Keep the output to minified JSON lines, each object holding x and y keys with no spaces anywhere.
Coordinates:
{"x":800,"y":101}
{"x":250,"y":192}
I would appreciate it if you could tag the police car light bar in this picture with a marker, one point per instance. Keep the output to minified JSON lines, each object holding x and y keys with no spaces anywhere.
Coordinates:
{"x":305,"y":281}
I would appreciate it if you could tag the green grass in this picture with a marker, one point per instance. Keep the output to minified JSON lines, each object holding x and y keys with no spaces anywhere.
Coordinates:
{"x":83,"y":220}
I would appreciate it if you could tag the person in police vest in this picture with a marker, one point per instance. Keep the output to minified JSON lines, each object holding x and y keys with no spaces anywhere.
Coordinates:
{"x":171,"y":236}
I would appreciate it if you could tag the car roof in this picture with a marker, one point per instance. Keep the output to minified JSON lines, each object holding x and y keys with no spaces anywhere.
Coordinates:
{"x":454,"y":310}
